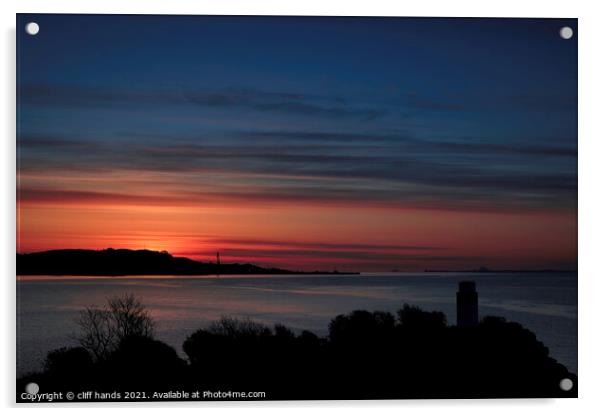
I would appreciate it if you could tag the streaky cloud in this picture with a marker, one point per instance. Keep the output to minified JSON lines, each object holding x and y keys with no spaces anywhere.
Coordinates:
{"x":250,"y":99}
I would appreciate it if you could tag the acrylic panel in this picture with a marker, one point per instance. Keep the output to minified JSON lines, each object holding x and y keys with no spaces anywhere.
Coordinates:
{"x":295,"y":208}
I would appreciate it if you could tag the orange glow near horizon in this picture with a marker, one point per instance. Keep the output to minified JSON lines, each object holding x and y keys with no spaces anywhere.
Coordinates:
{"x":304,"y":236}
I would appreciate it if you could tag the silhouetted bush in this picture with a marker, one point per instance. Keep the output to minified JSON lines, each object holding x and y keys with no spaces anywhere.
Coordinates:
{"x":65,"y":369}
{"x":144,"y":363}
{"x":68,"y":361}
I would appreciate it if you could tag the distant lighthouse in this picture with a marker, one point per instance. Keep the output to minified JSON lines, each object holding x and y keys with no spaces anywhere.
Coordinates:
{"x":218,"y":263}
{"x":467,"y":304}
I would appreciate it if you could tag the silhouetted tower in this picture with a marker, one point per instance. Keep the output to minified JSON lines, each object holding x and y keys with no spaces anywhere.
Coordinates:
{"x":218,"y":262}
{"x":467,"y":304}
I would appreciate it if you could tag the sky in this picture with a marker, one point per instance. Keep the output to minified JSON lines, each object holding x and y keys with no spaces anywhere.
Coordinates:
{"x":366,"y":144}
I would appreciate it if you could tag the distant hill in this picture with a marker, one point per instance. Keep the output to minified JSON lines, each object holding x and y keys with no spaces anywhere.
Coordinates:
{"x":121,"y":262}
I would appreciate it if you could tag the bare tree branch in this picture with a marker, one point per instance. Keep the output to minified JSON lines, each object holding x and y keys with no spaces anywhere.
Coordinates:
{"x":102,"y":329}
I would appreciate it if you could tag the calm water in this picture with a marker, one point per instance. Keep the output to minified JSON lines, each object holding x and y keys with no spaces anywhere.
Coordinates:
{"x":47,"y":308}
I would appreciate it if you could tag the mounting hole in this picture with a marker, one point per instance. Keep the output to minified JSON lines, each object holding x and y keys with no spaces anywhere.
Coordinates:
{"x":566,"y":32}
{"x":32,"y":388}
{"x":566,"y":384}
{"x":32,"y":28}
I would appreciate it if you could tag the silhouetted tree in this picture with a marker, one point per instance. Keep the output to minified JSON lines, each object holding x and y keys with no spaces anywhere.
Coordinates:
{"x":412,"y":316}
{"x":282,"y":332}
{"x":238,"y":328}
{"x":102,"y":329}
{"x":361,"y":327}
{"x":97,"y":334}
{"x":130,"y":317}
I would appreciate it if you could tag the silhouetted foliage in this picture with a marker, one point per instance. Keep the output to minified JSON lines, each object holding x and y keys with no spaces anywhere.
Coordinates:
{"x":103,"y":329}
{"x":68,"y":361}
{"x":412,"y":316}
{"x":361,"y":328}
{"x":238,"y":328}
{"x":143,"y":363}
{"x":130,"y":318}
{"x":367,"y":355}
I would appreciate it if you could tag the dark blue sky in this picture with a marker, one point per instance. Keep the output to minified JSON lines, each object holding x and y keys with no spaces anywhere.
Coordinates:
{"x":453,"y":114}
{"x":503,"y":91}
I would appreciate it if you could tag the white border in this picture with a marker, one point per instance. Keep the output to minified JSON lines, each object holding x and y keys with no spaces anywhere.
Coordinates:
{"x":590,"y":207}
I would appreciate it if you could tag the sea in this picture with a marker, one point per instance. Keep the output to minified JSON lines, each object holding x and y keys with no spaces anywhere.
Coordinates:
{"x":48,"y":306}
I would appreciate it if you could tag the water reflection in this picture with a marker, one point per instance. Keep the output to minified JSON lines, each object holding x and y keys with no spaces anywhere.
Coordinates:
{"x":48,"y":306}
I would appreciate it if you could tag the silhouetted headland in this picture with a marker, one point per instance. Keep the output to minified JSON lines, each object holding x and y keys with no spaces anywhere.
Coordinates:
{"x":122,"y":262}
